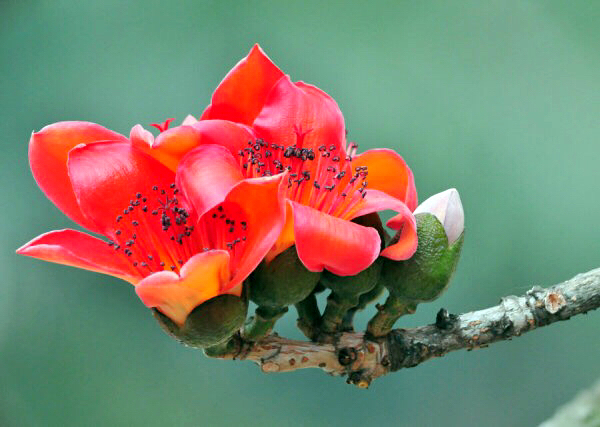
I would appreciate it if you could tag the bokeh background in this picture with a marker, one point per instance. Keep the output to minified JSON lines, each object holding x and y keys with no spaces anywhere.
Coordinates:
{"x":498,"y":99}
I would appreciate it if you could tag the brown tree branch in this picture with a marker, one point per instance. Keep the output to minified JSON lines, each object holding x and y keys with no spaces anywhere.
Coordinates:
{"x":363,"y":359}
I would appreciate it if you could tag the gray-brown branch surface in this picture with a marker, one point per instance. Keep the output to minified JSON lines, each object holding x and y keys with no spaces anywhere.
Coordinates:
{"x":362,"y":358}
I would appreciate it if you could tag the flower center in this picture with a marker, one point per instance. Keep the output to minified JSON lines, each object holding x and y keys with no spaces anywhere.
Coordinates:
{"x":155,"y":232}
{"x":323,"y":179}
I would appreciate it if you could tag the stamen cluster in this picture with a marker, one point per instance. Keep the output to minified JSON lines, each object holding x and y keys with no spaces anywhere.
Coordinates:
{"x":322,"y":179}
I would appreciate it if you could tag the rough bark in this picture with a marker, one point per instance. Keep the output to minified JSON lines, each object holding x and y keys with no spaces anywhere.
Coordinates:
{"x":362,"y":358}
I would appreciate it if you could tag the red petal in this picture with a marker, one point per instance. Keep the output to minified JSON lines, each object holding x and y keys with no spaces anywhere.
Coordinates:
{"x":234,"y":136}
{"x":170,"y":146}
{"x":243,"y":91}
{"x":406,"y":246}
{"x":298,"y":113}
{"x":141,"y":138}
{"x":200,"y":279}
{"x":340,"y":246}
{"x":48,"y":153}
{"x":106,"y":176}
{"x":206,"y":175}
{"x":77,"y":249}
{"x":286,"y":237}
{"x":388,"y":172}
{"x":262,"y":205}
{"x":189,"y":120}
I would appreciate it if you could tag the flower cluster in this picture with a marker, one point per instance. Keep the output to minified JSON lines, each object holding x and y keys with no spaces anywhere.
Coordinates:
{"x":265,"y":174}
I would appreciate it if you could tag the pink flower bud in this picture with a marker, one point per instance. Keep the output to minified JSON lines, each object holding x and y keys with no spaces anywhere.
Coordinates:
{"x":448,"y":209}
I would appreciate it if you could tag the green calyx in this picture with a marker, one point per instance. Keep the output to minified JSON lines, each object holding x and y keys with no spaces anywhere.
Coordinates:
{"x":283,"y":281}
{"x":275,"y":285}
{"x":211,"y":323}
{"x":427,"y":273}
{"x":423,"y":277}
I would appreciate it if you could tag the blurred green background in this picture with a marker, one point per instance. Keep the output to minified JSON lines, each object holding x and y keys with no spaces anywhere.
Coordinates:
{"x":499,"y":99}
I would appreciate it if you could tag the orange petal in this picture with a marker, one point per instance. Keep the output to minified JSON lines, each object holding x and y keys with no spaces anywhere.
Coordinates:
{"x":206,"y":175}
{"x":141,"y":138}
{"x":200,"y":279}
{"x":261,"y":204}
{"x":189,"y":120}
{"x":407,"y":242}
{"x":77,"y":249}
{"x":286,"y":238}
{"x":243,"y":91}
{"x":106,"y":176}
{"x":340,"y":246}
{"x":170,"y":146}
{"x":388,"y":172}
{"x":406,"y":245}
{"x":301,"y":114}
{"x":48,"y":152}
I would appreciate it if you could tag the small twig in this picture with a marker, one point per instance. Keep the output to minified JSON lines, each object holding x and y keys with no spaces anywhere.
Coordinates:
{"x":363,"y":359}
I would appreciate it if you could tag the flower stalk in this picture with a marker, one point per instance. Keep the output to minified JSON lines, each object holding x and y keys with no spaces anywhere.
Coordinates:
{"x":309,"y":316}
{"x":363,"y":302}
{"x":262,"y":323}
{"x":345,"y":295}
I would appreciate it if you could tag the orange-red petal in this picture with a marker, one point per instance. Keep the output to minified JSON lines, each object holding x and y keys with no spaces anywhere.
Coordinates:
{"x":286,"y":237}
{"x":261,"y":203}
{"x":340,"y":246}
{"x":388,"y":172}
{"x":404,"y":221}
{"x":201,"y":278}
{"x":48,"y":153}
{"x":298,"y":113}
{"x":141,"y":138}
{"x":77,"y":249}
{"x":170,"y":146}
{"x":206,"y":175}
{"x":243,"y":91}
{"x":107,"y":176}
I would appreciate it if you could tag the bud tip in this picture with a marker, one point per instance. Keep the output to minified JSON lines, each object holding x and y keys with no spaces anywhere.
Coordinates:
{"x":448,"y":209}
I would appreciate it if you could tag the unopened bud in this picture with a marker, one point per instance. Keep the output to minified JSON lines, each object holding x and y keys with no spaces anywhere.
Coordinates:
{"x":423,"y":277}
{"x":427,"y":274}
{"x":448,"y":209}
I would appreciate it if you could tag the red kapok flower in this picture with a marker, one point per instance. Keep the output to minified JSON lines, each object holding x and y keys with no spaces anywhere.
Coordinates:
{"x":165,"y":237}
{"x":270,"y":125}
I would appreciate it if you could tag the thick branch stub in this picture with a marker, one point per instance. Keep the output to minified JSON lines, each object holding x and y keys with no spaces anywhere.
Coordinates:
{"x":363,"y":359}
{"x":512,"y":317}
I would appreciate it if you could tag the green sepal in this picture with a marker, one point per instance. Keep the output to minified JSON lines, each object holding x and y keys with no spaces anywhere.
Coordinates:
{"x":427,"y":274}
{"x":283,"y":281}
{"x":211,"y":323}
